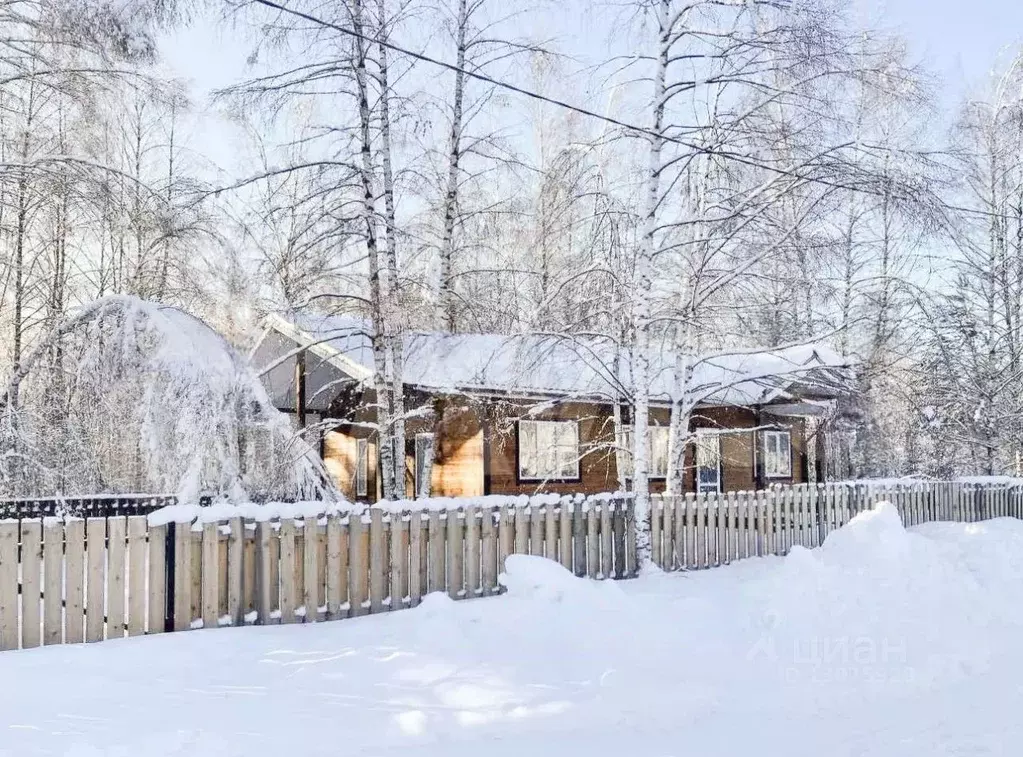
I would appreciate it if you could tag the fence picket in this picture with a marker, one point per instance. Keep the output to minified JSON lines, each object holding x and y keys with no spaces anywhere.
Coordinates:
{"x":359,"y":562}
{"x":210,"y":571}
{"x":436,"y":536}
{"x":74,"y":561}
{"x":537,"y":515}
{"x":592,"y":543}
{"x":96,"y":553}
{"x":489,"y":551}
{"x":9,"y":585}
{"x":579,"y":539}
{"x":655,"y":529}
{"x":136,"y":576}
{"x":53,"y":581}
{"x":505,"y":536}
{"x":472,"y":552}
{"x":311,"y":568}
{"x":565,"y":543}
{"x":117,"y":528}
{"x":417,"y":576}
{"x":606,"y":541}
{"x":31,"y":583}
{"x":456,"y":571}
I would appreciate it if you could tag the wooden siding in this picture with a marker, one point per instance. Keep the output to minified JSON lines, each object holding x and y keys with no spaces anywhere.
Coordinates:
{"x":476,"y":448}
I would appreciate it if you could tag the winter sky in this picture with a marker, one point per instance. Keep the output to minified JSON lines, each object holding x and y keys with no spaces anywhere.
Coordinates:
{"x":959,"y":40}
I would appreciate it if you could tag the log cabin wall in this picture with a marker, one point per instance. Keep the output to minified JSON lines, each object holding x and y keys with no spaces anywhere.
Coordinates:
{"x":476,"y":447}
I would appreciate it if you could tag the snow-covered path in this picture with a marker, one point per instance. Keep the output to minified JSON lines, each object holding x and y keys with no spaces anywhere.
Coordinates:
{"x":883,"y":642}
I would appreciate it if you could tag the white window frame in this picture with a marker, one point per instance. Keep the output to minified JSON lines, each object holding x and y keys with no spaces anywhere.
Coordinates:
{"x":698,"y":442}
{"x":627,"y":437}
{"x":781,"y":440}
{"x":558,"y":475}
{"x":361,"y":467}
{"x":421,"y":445}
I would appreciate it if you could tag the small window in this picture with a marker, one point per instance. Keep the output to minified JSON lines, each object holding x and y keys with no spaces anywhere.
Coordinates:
{"x":361,"y":467}
{"x":424,"y":464}
{"x":708,"y":461}
{"x":548,"y":450}
{"x":658,"y":443}
{"x":777,"y":454}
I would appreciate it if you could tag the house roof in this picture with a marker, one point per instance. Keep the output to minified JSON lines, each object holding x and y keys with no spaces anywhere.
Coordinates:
{"x":556,"y":366}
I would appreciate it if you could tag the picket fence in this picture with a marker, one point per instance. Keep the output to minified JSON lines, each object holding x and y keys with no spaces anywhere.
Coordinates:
{"x":73,"y":580}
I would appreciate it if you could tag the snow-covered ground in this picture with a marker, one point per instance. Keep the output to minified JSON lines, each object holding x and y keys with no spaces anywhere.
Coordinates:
{"x":883,"y":642}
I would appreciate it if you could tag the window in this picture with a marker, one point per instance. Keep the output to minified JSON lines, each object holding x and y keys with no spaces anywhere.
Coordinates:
{"x":708,"y":461}
{"x":658,"y":443}
{"x":777,"y":454}
{"x":424,"y":464}
{"x":548,"y":450}
{"x":361,"y":467}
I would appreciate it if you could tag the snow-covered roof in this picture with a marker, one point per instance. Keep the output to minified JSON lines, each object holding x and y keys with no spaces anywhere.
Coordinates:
{"x":554,"y":365}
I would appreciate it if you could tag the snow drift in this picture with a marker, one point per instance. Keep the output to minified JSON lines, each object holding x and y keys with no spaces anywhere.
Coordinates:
{"x":883,"y":642}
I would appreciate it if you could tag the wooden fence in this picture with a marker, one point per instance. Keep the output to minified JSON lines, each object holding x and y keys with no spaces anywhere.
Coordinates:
{"x":73,"y":580}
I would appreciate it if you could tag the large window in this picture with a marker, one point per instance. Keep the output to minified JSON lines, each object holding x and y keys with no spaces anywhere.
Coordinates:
{"x":548,"y":450}
{"x":708,"y":461}
{"x":658,"y":443}
{"x":777,"y":454}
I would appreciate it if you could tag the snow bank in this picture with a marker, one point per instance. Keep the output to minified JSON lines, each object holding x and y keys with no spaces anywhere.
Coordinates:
{"x":882,"y":642}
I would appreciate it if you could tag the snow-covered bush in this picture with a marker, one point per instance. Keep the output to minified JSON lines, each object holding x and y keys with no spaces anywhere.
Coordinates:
{"x":127,"y":396}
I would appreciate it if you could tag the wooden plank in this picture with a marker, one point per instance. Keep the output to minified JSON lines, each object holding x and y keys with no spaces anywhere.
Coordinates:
{"x":579,"y":537}
{"x":742,"y":518}
{"x":505,"y":536}
{"x":136,"y":575}
{"x":265,"y":590}
{"x":606,"y":539}
{"x":31,"y":583}
{"x":733,"y":527}
{"x":655,"y":530}
{"x":522,"y":527}
{"x":690,"y":529}
{"x":289,"y":589}
{"x":359,"y":564}
{"x":333,"y":577}
{"x":236,"y":572}
{"x":472,"y":551}
{"x":437,"y":567}
{"x":455,"y":545}
{"x":631,"y":558}
{"x":550,"y":549}
{"x":398,"y":561}
{"x":210,"y":572}
{"x":377,"y":560}
{"x":311,"y":568}
{"x":9,"y":585}
{"x":700,"y":513}
{"x":618,"y":526}
{"x":537,"y":514}
{"x":565,"y":542}
{"x":53,"y":581}
{"x":95,"y":578}
{"x":117,"y":528}
{"x":417,"y":578}
{"x":489,"y":550}
{"x":592,"y":542}
{"x":668,"y":533}
{"x":74,"y":581}
{"x":155,"y":581}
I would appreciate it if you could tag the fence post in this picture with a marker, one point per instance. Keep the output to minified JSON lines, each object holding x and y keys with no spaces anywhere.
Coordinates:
{"x":168,"y":573}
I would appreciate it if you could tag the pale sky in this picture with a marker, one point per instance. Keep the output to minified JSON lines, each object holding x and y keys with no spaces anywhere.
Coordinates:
{"x":960,"y":41}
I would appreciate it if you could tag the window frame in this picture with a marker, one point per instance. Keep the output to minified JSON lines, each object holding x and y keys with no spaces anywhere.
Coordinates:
{"x":627,"y":439}
{"x":361,"y":483}
{"x":775,"y":434}
{"x":421,"y":437}
{"x":522,"y":478}
{"x":719,"y":480}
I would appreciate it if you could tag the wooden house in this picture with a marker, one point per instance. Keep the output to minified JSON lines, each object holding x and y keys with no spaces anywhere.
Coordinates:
{"x":496,"y":414}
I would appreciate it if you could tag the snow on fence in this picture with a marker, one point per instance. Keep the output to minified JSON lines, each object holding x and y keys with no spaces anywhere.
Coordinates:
{"x":73,"y":580}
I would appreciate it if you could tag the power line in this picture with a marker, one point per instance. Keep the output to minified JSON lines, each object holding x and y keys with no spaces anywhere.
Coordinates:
{"x":569,"y":106}
{"x":473,"y":74}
